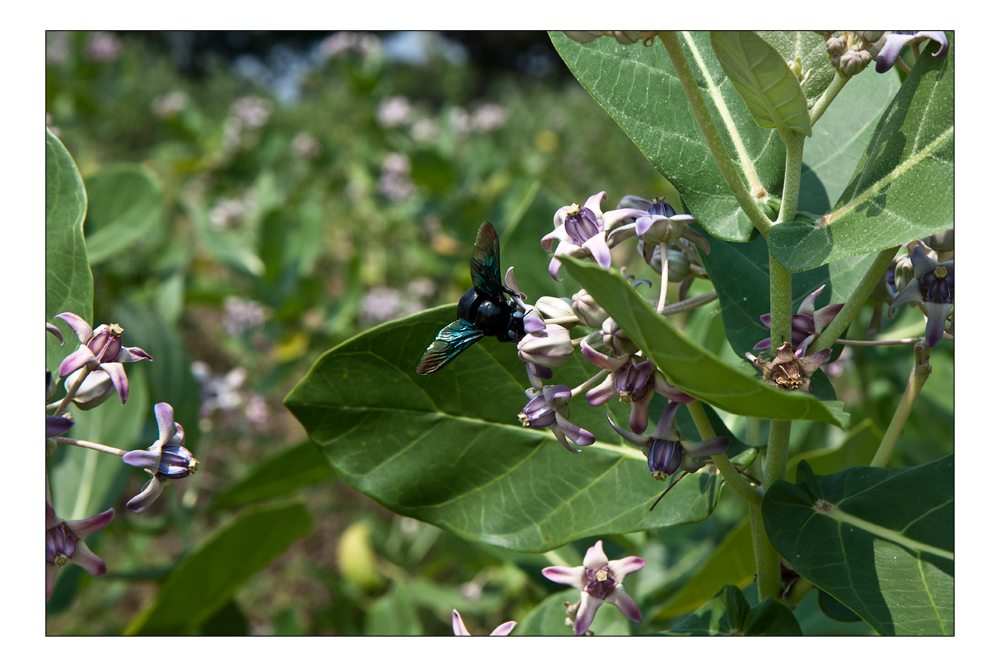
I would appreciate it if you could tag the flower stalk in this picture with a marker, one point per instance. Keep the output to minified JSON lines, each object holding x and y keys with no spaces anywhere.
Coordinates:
{"x":828,"y":96}
{"x":71,"y":391}
{"x":689,"y":304}
{"x":97,"y":447}
{"x":918,"y":376}
{"x":664,"y":279}
{"x":721,"y":461}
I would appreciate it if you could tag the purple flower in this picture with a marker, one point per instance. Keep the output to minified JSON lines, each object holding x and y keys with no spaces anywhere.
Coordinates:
{"x":666,"y":452}
{"x":547,"y":408}
{"x":656,"y":221}
{"x":582,"y":232}
{"x":933,"y":284}
{"x":103,"y":353}
{"x":890,"y":45}
{"x":167,"y":458}
{"x":790,"y":370}
{"x":458,"y":627}
{"x":634,"y":381}
{"x":55,"y":425}
{"x":64,"y":544}
{"x":806,"y":324}
{"x":599,"y":581}
{"x":549,"y":346}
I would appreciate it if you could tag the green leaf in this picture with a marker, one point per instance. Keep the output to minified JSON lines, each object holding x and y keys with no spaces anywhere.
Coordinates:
{"x":903,"y":186}
{"x":448,"y":448}
{"x":234,"y":247}
{"x":740,"y":274}
{"x":549,"y":618}
{"x":811,"y":48}
{"x":686,"y":364}
{"x":833,"y":609}
{"x":880,"y":541}
{"x":126,"y":203}
{"x":728,"y":614}
{"x":771,"y":91}
{"x":69,"y":286}
{"x":229,"y":621}
{"x":281,"y":474}
{"x":393,"y":614}
{"x":208,"y":577}
{"x":638,"y":86}
{"x":84,"y":481}
{"x":841,"y":135}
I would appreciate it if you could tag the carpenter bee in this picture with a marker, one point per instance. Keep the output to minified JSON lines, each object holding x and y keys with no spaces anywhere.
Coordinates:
{"x":482,"y":311}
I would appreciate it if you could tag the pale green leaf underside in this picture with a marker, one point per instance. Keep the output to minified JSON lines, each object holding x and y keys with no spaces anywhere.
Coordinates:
{"x":126,"y":203}
{"x":448,"y":448}
{"x":884,"y":550}
{"x":771,"y":91}
{"x":689,"y":366}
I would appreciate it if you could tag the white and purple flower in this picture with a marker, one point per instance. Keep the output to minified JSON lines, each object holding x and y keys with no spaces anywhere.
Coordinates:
{"x":547,"y":408}
{"x":806,"y":324}
{"x":64,"y":544}
{"x":933,"y":284}
{"x":458,"y":627}
{"x":167,"y":458}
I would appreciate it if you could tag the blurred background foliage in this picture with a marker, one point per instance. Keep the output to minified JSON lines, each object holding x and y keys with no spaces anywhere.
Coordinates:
{"x":256,"y":199}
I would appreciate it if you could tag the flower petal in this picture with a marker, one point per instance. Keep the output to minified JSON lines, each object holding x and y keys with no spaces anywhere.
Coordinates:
{"x":164,"y":420}
{"x":937,"y":315}
{"x":533,"y":323}
{"x":808,"y":304}
{"x":763,"y":345}
{"x":581,"y":437}
{"x":51,"y":520}
{"x":144,"y":458}
{"x":624,"y":601}
{"x":602,"y":393}
{"x":118,"y":378}
{"x":619,"y":569}
{"x":585,"y":614}
{"x":614,"y":217}
{"x":693,"y":236}
{"x":664,"y":388}
{"x":595,"y":557}
{"x":554,"y":267}
{"x":638,"y":417}
{"x":594,"y":202}
{"x":457,"y":626}
{"x":909,"y":294}
{"x":825,"y":315}
{"x":86,"y":559}
{"x":84,"y":527}
{"x":54,"y":330}
{"x":637,"y":440}
{"x":921,"y":262}
{"x":76,"y":360}
{"x":150,"y":492}
{"x":813,"y":361}
{"x":50,"y":579}
{"x":133,"y":354}
{"x":56,"y":425}
{"x":503,"y":629}
{"x":598,"y":247}
{"x":78,"y":325}
{"x":568,"y":576}
{"x":665,"y":427}
{"x":709,"y":447}
{"x":894,"y":43}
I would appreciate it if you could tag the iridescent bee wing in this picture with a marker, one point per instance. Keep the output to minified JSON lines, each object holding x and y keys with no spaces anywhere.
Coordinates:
{"x":449,"y":343}
{"x":486,"y":264}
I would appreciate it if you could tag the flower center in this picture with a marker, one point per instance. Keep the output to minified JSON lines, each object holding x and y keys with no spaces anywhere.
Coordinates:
{"x":601,"y":583}
{"x":524,"y":419}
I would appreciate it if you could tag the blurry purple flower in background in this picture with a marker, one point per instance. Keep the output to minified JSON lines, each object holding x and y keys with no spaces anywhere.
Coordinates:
{"x":103,"y":47}
{"x":394,"y":181}
{"x":57,"y":46}
{"x":488,"y":117}
{"x":381,"y":304}
{"x":305,"y":146}
{"x":239,"y":315}
{"x":425,"y":129}
{"x":64,"y":544}
{"x":251,"y":111}
{"x":342,"y":42}
{"x":458,"y":118}
{"x":229,"y":213}
{"x":225,"y":393}
{"x":393,"y":112}
{"x":458,"y":627}
{"x":169,"y":105}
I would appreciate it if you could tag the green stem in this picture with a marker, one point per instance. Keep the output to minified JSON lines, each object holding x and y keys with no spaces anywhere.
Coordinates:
{"x":918,"y":376}
{"x":753,"y":432}
{"x":711,"y":133}
{"x":692,"y":303}
{"x":800,"y":588}
{"x":828,"y":96}
{"x":768,"y":563}
{"x":777,"y":452}
{"x":852,"y":306}
{"x":781,"y":303}
{"x":737,"y":481}
{"x":794,"y":143}
{"x":664,"y":278}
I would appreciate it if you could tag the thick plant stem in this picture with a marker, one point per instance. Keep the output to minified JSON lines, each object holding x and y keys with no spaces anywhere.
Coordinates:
{"x":918,"y":376}
{"x":794,"y":143}
{"x":828,"y":96}
{"x":781,"y":304}
{"x":852,"y":306}
{"x":711,"y":132}
{"x":737,"y":481}
{"x":768,"y":562}
{"x":799,"y":589}
{"x":777,"y":452}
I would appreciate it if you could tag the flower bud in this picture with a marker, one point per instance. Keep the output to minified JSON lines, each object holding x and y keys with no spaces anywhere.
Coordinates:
{"x":96,"y":388}
{"x":836,"y":46}
{"x":554,"y":308}
{"x":550,"y":347}
{"x":870,"y":36}
{"x":587,"y":310}
{"x":853,"y":62}
{"x":616,"y":340}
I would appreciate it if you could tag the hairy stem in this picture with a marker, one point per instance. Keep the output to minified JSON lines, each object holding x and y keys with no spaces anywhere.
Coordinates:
{"x":794,"y":143}
{"x":711,"y":132}
{"x":918,"y":376}
{"x":852,"y":306}
{"x":71,"y":391}
{"x":721,"y":461}
{"x":828,"y":96}
{"x":781,"y":304}
{"x":768,"y":563}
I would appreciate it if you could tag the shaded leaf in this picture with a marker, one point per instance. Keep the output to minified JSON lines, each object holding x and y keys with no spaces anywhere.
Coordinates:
{"x":125,"y":204}
{"x":833,"y":609}
{"x":728,"y":613}
{"x":638,"y":86}
{"x":229,"y":621}
{"x":762,"y":77}
{"x":448,"y":449}
{"x":880,"y":541}
{"x":207,"y":578}
{"x":686,"y":364}
{"x":903,"y":186}
{"x":69,"y":286}
{"x":283,"y":473}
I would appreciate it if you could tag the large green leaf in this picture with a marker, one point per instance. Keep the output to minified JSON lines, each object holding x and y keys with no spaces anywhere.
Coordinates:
{"x":448,"y":448}
{"x":740,"y":274}
{"x":283,"y":473}
{"x":689,"y":366}
{"x":69,"y":287}
{"x":729,"y":613}
{"x":810,"y":49}
{"x":903,"y":186}
{"x":841,"y":136}
{"x":126,"y":203}
{"x":549,"y":618}
{"x":208,"y":577}
{"x":879,"y":541}
{"x":771,"y":91}
{"x":638,"y":86}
